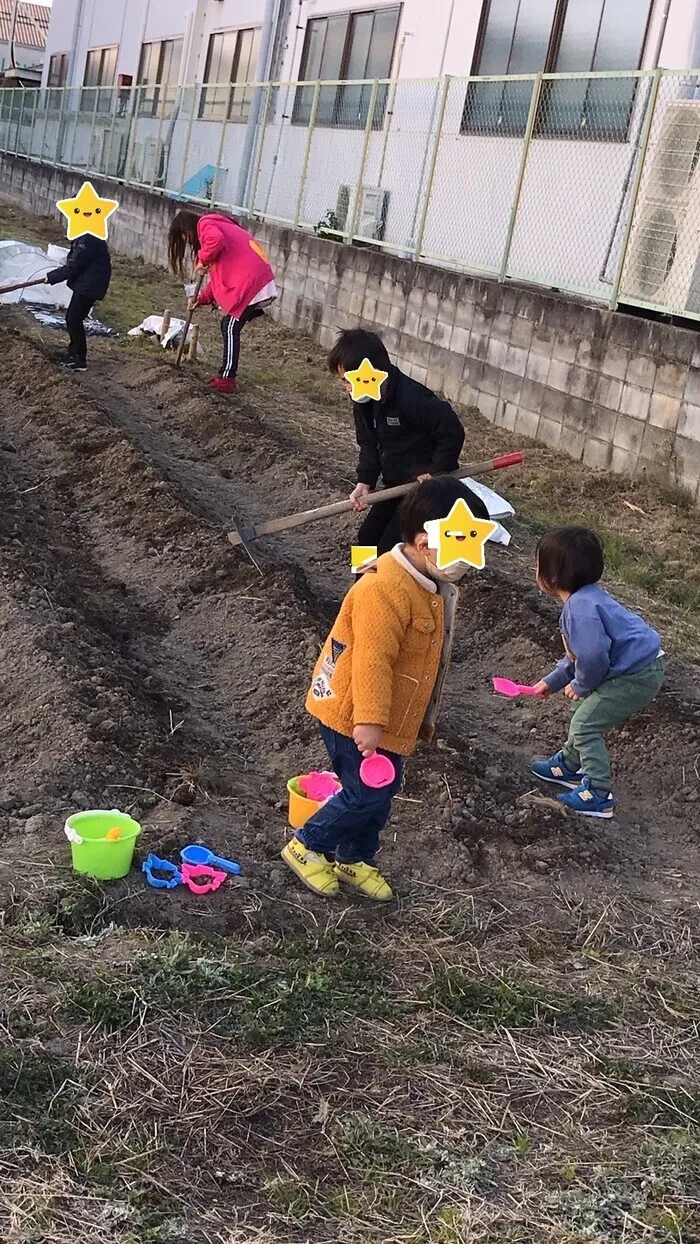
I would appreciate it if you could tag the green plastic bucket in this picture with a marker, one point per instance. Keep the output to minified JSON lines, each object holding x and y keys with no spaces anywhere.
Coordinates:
{"x":93,"y":853}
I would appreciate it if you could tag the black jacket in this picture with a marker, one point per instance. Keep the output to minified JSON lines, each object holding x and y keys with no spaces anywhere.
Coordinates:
{"x":87,"y":270}
{"x":409,"y":432}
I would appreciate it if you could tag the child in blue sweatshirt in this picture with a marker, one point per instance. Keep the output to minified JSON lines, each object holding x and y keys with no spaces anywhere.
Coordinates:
{"x":613,"y":666}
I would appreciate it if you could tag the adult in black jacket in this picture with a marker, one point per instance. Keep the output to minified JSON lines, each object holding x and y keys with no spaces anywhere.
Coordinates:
{"x":87,"y":272}
{"x":409,"y":434}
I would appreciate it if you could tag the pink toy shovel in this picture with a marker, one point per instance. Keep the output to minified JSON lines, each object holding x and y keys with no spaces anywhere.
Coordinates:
{"x":504,"y":686}
{"x":377,"y":771}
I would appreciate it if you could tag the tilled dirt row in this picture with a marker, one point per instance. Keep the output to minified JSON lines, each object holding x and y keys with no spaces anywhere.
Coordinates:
{"x":149,"y":664}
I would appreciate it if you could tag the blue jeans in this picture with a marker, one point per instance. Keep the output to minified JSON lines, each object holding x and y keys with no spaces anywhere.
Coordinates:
{"x":348,"y":826}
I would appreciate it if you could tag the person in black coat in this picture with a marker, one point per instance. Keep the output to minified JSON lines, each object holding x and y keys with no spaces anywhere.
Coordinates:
{"x":409,"y":434}
{"x":87,"y":272}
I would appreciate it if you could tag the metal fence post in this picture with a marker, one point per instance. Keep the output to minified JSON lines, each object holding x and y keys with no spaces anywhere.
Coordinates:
{"x":46,"y":123}
{"x":307,"y":153}
{"x":59,"y":125}
{"x":354,"y":217}
{"x":78,"y":101}
{"x":529,"y":131}
{"x":159,"y":135}
{"x":18,"y":136}
{"x":258,"y":159}
{"x":133,"y":129}
{"x":220,"y":152}
{"x":431,"y":170}
{"x":92,"y":132}
{"x":636,"y":184}
{"x":188,"y":136}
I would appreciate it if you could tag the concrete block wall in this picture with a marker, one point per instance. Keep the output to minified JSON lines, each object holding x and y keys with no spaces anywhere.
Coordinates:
{"x":612,"y":390}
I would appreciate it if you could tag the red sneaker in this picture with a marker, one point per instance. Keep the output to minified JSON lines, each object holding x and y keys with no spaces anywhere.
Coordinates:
{"x":222,"y":385}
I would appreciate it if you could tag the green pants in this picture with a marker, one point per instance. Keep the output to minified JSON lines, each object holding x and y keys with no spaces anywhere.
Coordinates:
{"x":611,"y":704}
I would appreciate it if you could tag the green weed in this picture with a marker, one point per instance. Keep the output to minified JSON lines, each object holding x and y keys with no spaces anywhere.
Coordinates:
{"x":40,"y":1092}
{"x":487,"y":1004}
{"x":307,"y":995}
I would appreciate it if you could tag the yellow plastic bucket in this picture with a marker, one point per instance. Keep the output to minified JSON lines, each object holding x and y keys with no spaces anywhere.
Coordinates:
{"x":300,"y":808}
{"x":106,"y":858}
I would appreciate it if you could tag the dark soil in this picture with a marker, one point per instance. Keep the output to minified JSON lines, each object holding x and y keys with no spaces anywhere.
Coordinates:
{"x":505,"y":1055}
{"x":151,"y":665}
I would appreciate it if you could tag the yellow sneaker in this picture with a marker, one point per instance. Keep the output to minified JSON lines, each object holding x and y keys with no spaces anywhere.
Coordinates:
{"x":367,"y":879}
{"x":314,"y":870}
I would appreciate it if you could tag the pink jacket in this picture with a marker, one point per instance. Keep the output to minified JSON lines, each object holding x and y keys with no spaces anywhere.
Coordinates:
{"x":238,"y":265}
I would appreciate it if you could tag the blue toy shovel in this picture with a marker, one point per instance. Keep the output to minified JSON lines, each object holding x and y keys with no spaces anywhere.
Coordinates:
{"x":202,"y":855}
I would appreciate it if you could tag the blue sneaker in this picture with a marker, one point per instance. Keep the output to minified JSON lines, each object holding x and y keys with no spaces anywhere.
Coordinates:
{"x":556,"y":770}
{"x":588,"y":802}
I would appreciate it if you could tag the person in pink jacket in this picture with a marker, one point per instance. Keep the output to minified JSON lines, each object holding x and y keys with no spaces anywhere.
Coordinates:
{"x":241,"y":281}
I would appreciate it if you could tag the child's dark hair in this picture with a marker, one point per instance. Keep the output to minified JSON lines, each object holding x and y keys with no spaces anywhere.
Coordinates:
{"x":183,"y":237}
{"x":569,"y":558}
{"x":432,"y":499}
{"x":354,"y":345}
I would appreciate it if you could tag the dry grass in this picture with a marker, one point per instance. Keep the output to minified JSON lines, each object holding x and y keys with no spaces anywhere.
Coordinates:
{"x":323,"y":1086}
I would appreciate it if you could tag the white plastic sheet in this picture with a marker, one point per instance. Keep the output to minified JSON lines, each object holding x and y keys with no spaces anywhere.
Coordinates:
{"x":21,"y":262}
{"x":152,"y":326}
{"x":497,"y":507}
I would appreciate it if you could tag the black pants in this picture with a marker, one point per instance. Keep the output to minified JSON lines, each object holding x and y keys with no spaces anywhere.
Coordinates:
{"x":380,"y":527}
{"x":231,"y":333}
{"x":78,"y":310}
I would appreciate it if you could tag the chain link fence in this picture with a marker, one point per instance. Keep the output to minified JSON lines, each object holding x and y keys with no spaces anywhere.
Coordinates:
{"x":585,"y":183}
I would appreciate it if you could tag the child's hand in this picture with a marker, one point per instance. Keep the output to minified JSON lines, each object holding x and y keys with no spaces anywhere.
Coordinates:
{"x":367,"y":739}
{"x":542,"y":688}
{"x":201,"y":269}
{"x":570,"y":693}
{"x":192,"y":304}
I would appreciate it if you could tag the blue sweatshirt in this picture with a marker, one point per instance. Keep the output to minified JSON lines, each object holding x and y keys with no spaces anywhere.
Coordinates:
{"x":603,"y":640}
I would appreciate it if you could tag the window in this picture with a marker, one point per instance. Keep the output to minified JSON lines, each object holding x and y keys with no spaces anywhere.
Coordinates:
{"x":232,"y":62}
{"x":58,"y":76}
{"x":100,"y":71}
{"x":346,"y":46}
{"x":557,"y":36}
{"x":159,"y":71}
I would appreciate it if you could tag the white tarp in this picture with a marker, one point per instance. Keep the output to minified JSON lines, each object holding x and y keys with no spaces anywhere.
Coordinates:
{"x":21,"y":262}
{"x":152,"y":326}
{"x":497,"y":507}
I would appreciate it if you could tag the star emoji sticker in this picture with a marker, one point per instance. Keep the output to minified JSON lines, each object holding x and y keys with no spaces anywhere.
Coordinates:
{"x":366,"y":381}
{"x":460,"y":537}
{"x":87,"y":212}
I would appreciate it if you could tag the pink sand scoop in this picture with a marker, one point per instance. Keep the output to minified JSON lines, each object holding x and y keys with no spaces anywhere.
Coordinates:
{"x":377,"y":771}
{"x":504,"y":686}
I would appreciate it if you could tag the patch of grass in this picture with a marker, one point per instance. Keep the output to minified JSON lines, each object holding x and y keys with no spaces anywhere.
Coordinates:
{"x":487,"y":1004}
{"x":373,"y":1150}
{"x":670,"y":573}
{"x":39,"y":1092}
{"x":307,"y":995}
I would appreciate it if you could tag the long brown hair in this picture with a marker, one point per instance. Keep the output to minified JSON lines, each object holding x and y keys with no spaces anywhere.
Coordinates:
{"x":183,"y":237}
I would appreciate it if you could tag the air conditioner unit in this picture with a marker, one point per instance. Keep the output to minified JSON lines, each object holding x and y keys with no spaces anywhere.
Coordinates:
{"x":371,"y":218}
{"x":663,"y":265}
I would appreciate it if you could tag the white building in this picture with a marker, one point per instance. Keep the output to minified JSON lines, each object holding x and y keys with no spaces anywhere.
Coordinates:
{"x":341,"y":39}
{"x":158,"y":96}
{"x":31,"y":26}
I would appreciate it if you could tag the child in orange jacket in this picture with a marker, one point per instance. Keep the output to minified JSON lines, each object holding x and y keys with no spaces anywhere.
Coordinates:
{"x":377,"y":686}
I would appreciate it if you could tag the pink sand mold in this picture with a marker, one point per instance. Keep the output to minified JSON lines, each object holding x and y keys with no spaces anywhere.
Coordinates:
{"x":504,"y":686}
{"x":377,"y":771}
{"x":319,"y":786}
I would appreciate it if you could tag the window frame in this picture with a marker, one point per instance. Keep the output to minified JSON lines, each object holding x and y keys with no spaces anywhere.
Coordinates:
{"x":55,"y":91}
{"x":94,"y":96}
{"x":232,"y":111}
{"x":542,"y":129}
{"x":336,"y":121}
{"x":164,"y":94}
